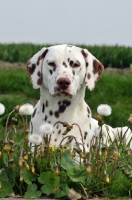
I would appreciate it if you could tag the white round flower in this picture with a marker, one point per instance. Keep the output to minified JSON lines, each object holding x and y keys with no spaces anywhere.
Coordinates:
{"x":35,"y":139}
{"x":2,"y":109}
{"x":46,"y":129}
{"x":26,"y":109}
{"x":104,"y":109}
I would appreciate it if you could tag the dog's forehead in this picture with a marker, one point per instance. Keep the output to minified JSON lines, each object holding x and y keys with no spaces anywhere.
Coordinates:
{"x":63,"y":52}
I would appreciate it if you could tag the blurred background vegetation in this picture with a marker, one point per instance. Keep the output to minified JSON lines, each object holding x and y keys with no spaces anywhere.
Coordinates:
{"x":114,"y":89}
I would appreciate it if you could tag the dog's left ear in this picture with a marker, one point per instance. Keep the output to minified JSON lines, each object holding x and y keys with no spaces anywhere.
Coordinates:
{"x":94,"y":69}
{"x":34,"y":68}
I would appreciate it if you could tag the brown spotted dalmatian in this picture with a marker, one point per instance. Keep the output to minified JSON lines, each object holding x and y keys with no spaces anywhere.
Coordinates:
{"x":62,"y":73}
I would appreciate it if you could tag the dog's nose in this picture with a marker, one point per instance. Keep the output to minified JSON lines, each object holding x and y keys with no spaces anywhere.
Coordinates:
{"x":63,"y":83}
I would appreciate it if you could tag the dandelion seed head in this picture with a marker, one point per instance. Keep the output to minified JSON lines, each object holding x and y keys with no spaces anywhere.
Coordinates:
{"x":26,"y":109}
{"x":46,"y":129}
{"x":35,"y":139}
{"x":2,"y":109}
{"x":104,"y":109}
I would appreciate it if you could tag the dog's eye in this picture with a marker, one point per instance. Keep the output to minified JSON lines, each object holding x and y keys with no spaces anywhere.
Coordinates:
{"x":52,"y":64}
{"x":75,"y":65}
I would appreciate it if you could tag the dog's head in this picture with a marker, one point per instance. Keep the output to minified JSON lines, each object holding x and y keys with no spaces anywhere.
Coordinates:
{"x":64,"y":69}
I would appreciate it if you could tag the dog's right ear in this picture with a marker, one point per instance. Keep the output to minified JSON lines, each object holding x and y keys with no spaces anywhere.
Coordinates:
{"x":34,"y":67}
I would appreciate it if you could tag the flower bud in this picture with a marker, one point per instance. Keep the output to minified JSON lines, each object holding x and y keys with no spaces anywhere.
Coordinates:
{"x":56,"y":170}
{"x":20,"y":162}
{"x":115,"y":154}
{"x":17,"y":107}
{"x":107,"y":179}
{"x":89,"y":168}
{"x":82,"y":155}
{"x":68,"y":149}
{"x":73,"y":153}
{"x":51,"y":148}
{"x":27,"y":166}
{"x":33,"y":169}
{"x":41,"y":151}
{"x":0,"y":154}
{"x":25,"y":157}
{"x":7,"y":147}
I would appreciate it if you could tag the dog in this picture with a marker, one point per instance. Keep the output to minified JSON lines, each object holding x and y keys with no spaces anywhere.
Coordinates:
{"x":62,"y":72}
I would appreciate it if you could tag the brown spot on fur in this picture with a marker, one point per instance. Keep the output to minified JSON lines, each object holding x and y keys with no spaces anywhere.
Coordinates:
{"x":39,"y":74}
{"x":73,"y":72}
{"x":55,"y":140}
{"x":31,"y":69}
{"x":97,"y":67}
{"x":56,"y":114}
{"x":45,"y":119}
{"x":84,"y":53}
{"x":47,"y":104}
{"x":61,"y":108}
{"x":59,"y":102}
{"x":88,"y":110}
{"x":51,"y":112}
{"x":90,"y":126}
{"x":39,"y":81}
{"x":42,"y":56}
{"x":51,"y":72}
{"x":43,"y":108}
{"x":66,"y":102}
{"x":59,"y":132}
{"x":71,"y":63}
{"x":34,"y":112}
{"x":64,"y":64}
{"x":89,"y":76}
{"x":86,"y":64}
{"x":85,"y":135}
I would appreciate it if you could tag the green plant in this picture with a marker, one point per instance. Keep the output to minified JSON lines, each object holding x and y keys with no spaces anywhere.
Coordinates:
{"x":36,"y":169}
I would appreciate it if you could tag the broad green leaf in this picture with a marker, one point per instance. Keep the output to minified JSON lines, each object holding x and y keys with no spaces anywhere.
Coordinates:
{"x":3,"y":175}
{"x":47,"y":189}
{"x":32,"y":187}
{"x":28,"y":176}
{"x":62,"y":191}
{"x":67,"y":161}
{"x":5,"y":159}
{"x":77,"y":174}
{"x":49,"y":178}
{"x":11,"y":176}
{"x":6,"y":189}
{"x":32,"y":195}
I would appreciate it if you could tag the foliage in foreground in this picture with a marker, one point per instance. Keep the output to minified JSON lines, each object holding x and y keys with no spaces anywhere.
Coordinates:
{"x":35,"y":170}
{"x":110,"y":56}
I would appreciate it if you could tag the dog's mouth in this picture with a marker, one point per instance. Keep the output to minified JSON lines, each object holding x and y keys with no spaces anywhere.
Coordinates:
{"x":59,"y":92}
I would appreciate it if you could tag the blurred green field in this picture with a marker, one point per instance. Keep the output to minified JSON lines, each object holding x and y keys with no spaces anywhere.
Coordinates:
{"x":113,"y":89}
{"x":111,"y":56}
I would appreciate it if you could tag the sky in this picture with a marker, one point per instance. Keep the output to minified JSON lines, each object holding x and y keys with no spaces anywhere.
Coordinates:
{"x":89,"y":22}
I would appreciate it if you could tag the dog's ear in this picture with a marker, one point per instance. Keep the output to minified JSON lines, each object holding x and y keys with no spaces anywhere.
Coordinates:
{"x":94,"y":69}
{"x":34,"y":67}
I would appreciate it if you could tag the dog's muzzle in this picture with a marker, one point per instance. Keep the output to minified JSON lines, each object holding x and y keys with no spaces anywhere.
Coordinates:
{"x":63,"y":83}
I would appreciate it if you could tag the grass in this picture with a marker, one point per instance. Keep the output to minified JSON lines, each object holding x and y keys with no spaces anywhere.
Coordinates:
{"x":112,"y":89}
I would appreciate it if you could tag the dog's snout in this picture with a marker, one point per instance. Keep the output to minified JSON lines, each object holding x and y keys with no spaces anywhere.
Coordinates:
{"x":63,"y":83}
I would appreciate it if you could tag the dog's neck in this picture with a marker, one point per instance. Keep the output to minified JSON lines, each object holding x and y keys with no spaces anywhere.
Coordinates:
{"x":52,"y":101}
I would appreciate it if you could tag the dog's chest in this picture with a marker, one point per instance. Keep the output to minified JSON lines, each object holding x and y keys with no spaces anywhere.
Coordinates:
{"x":63,"y":111}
